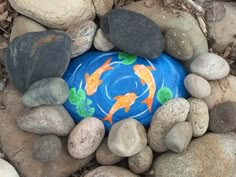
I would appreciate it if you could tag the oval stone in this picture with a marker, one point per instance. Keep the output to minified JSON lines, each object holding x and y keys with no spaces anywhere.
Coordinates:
{"x":114,"y":85}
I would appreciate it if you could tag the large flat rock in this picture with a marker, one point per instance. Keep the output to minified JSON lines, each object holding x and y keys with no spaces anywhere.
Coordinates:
{"x":17,"y":144}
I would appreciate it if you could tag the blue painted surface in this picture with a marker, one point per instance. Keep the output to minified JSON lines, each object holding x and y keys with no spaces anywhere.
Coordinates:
{"x":115,"y":85}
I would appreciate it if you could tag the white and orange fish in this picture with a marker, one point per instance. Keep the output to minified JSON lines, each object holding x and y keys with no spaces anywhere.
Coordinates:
{"x":146,"y":77}
{"x":122,"y":101}
{"x":93,"y":81}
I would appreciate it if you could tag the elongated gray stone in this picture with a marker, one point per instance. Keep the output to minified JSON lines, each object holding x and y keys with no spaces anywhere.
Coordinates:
{"x":51,"y":91}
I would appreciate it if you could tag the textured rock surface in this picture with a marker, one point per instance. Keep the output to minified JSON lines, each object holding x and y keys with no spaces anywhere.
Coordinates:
{"x":47,"y":148}
{"x":7,"y":170}
{"x":102,"y":6}
{"x":217,"y":28}
{"x":50,"y":91}
{"x":125,"y":29}
{"x":142,"y":161}
{"x":210,"y":66}
{"x":173,"y":111}
{"x":222,"y":91}
{"x":197,"y":86}
{"x":82,"y":37}
{"x":198,"y":116}
{"x":222,"y":117}
{"x":182,"y":21}
{"x":17,"y":144}
{"x":22,"y":25}
{"x":35,"y":56}
{"x":101,"y":42}
{"x":110,"y":171}
{"x":178,"y":44}
{"x":127,"y":138}
{"x":45,"y":120}
{"x":104,"y":156}
{"x":210,"y":155}
{"x":53,"y":14}
{"x":179,"y":136}
{"x":86,"y":137}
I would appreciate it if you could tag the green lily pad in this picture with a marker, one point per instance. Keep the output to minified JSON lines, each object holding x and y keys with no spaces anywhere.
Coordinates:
{"x":127,"y":59}
{"x":164,"y":94}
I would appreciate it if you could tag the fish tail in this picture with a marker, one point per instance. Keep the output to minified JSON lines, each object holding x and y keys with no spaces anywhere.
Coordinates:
{"x":108,"y":118}
{"x":106,"y":65}
{"x":148,"y":101}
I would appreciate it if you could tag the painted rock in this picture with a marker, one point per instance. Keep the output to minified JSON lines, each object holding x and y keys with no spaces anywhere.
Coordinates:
{"x":113,"y":86}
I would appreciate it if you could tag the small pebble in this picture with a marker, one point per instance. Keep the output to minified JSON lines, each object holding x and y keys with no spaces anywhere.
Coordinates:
{"x":102,"y":6}
{"x":104,"y":156}
{"x":127,"y":138}
{"x":170,"y":113}
{"x":197,"y":86}
{"x":82,"y":36}
{"x":101,"y":42}
{"x":210,"y":66}
{"x":178,"y":44}
{"x":86,"y":137}
{"x":110,"y":171}
{"x":7,"y":170}
{"x":46,"y":120}
{"x":142,"y":161}
{"x":198,"y":116}
{"x":50,"y":91}
{"x":47,"y":148}
{"x":179,"y":136}
{"x":223,"y":117}
{"x":2,"y":84}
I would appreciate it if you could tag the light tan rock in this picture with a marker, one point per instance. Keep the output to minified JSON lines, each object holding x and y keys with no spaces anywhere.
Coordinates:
{"x":182,"y":21}
{"x":22,"y":25}
{"x":17,"y":144}
{"x":207,"y":156}
{"x":222,"y":91}
{"x":102,"y":6}
{"x":101,"y":42}
{"x":110,"y":171}
{"x":56,"y":14}
{"x":198,"y":116}
{"x":173,"y":111}
{"x":86,"y":137}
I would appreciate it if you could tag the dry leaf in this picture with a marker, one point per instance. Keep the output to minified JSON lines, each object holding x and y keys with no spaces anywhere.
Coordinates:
{"x":215,"y":12}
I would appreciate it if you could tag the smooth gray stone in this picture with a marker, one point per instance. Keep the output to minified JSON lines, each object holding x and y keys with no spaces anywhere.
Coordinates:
{"x":51,"y":91}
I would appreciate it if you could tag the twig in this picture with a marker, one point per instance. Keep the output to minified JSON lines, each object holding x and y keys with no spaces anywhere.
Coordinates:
{"x":202,"y":25}
{"x":195,"y":6}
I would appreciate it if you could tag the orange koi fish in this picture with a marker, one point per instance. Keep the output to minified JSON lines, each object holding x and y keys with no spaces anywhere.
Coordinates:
{"x":122,"y":101}
{"x":145,"y":75}
{"x":93,"y":81}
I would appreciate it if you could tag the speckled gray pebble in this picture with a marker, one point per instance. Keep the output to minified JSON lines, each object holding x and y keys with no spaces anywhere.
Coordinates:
{"x":179,"y":136}
{"x":50,"y":91}
{"x":166,"y":116}
{"x":47,"y":148}
{"x":86,"y":137}
{"x":210,"y":66}
{"x":142,"y":161}
{"x":178,"y":44}
{"x":45,"y":120}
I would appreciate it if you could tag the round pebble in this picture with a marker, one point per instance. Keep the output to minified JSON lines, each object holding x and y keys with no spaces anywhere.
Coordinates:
{"x":179,"y":136}
{"x":222,"y":117}
{"x":127,"y":138}
{"x":86,"y":137}
{"x":104,"y":156}
{"x":7,"y":170}
{"x":173,"y":111}
{"x":197,"y":86}
{"x":47,"y":148}
{"x":210,"y":66}
{"x":178,"y":44}
{"x":142,"y":161}
{"x":101,"y":42}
